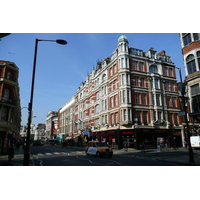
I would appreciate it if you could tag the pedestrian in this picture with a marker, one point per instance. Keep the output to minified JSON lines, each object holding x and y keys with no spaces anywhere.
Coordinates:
{"x":185,"y":143}
{"x":11,"y":152}
{"x":158,"y":146}
{"x":125,"y":145}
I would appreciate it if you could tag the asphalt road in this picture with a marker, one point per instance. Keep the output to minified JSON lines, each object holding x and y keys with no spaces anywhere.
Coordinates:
{"x":57,"y":156}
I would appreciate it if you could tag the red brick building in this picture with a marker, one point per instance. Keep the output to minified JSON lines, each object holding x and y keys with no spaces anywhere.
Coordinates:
{"x":130,"y":96}
{"x":10,"y":110}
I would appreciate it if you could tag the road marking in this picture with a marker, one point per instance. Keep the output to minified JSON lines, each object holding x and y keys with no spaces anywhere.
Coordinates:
{"x":48,"y":154}
{"x":56,"y":153}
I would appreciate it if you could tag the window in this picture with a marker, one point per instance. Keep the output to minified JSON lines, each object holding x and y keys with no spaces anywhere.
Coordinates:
{"x":141,"y":66}
{"x":196,"y":36}
{"x":6,"y":94}
{"x":176,"y":119}
{"x":122,"y":63}
{"x":142,"y":82}
{"x":137,"y":98}
{"x":166,"y":86}
{"x":145,"y":117}
{"x":135,"y":65}
{"x":114,"y":69}
{"x":187,"y":39}
{"x":123,"y":96}
{"x":139,"y":117}
{"x":198,"y":58}
{"x":172,"y":87}
{"x":116,"y":116}
{"x":170,"y":72}
{"x":97,"y":95}
{"x":104,"y":77}
{"x":9,"y":75}
{"x":153,"y":69}
{"x":168,"y":101}
{"x":136,"y":81}
{"x":123,"y":81}
{"x":158,"y":99}
{"x":153,"y":99}
{"x":170,"y":117}
{"x":191,"y":66}
{"x":156,"y":84}
{"x":124,"y":111}
{"x":97,"y":109}
{"x":159,"y":115}
{"x":111,"y":71}
{"x":144,"y":99}
{"x":4,"y":114}
{"x":195,"y":89}
{"x":165,"y":71}
{"x":128,"y":96}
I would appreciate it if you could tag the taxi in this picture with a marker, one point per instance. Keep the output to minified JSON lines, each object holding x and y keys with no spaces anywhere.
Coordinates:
{"x":98,"y":149}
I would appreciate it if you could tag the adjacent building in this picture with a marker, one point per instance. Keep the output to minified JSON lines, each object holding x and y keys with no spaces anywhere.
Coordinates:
{"x":51,"y":125}
{"x":10,"y":110}
{"x":66,"y":118}
{"x":130,"y":96}
{"x":190,"y":43}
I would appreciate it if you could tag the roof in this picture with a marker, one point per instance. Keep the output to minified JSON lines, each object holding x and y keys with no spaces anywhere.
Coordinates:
{"x":122,"y":37}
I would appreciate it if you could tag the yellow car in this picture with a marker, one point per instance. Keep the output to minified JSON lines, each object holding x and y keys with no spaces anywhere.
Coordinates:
{"x":99,"y":149}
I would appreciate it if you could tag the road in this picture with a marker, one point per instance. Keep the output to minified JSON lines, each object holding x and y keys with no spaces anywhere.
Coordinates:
{"x":58,"y":156}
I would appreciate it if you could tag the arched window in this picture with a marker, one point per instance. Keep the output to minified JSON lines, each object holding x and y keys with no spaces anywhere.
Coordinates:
{"x":198,"y":58}
{"x":191,"y":66}
{"x":103,"y":77}
{"x":153,"y":69}
{"x":97,"y":109}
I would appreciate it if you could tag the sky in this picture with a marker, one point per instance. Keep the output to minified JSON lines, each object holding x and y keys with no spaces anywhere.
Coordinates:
{"x":61,"y":68}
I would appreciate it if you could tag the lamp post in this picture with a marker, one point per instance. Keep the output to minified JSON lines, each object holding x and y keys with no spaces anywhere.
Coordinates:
{"x":190,"y":151}
{"x":26,"y":150}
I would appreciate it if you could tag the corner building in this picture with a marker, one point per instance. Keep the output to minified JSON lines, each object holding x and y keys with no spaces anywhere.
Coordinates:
{"x":190,"y":43}
{"x":130,"y":96}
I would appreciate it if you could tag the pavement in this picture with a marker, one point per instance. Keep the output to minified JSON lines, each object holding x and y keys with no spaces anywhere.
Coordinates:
{"x":171,"y":155}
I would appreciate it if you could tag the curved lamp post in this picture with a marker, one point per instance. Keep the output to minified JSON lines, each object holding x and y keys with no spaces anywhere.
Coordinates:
{"x":27,"y":147}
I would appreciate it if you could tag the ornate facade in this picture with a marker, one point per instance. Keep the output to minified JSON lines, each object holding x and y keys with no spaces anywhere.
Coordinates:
{"x":131,"y":95}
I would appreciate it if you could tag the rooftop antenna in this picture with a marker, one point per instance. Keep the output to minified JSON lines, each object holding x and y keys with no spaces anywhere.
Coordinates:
{"x":9,"y":55}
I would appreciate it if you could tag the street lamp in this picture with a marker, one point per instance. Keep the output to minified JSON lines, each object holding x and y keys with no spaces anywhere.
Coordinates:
{"x":190,"y":151}
{"x":26,"y":150}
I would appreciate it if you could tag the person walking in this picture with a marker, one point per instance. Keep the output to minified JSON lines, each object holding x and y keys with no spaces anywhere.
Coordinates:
{"x":185,"y":143}
{"x":11,"y":152}
{"x":125,"y":145}
{"x":158,"y":146}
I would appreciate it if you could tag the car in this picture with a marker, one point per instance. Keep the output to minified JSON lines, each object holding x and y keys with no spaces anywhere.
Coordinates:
{"x":38,"y":143}
{"x":98,"y":149}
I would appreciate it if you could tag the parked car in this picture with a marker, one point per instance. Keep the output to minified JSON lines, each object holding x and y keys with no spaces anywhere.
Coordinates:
{"x":99,"y":149}
{"x":38,"y":143}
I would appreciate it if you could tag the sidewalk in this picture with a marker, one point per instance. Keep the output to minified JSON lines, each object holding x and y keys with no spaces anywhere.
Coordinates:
{"x":171,"y":155}
{"x":16,"y":161}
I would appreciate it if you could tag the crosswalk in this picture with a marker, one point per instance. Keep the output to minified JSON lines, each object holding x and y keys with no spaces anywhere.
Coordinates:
{"x":58,"y":153}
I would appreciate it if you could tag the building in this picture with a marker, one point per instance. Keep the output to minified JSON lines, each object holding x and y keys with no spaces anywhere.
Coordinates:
{"x":38,"y":130}
{"x":10,"y":110}
{"x":130,"y":96}
{"x":66,"y":118}
{"x":190,"y":43}
{"x":51,"y":125}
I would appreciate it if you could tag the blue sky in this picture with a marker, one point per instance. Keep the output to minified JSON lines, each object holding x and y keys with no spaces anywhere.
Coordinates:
{"x":61,"y":68}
